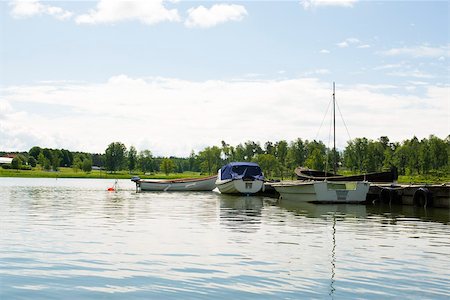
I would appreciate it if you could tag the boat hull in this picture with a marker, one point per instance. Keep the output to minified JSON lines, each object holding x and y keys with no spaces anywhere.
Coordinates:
{"x":239,"y":186}
{"x":197,"y":184}
{"x":324,"y":191}
{"x":379,"y":177}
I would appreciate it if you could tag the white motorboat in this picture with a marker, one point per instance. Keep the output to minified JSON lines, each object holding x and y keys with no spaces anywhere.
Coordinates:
{"x":240,"y":178}
{"x":184,"y":184}
{"x":323,"y":191}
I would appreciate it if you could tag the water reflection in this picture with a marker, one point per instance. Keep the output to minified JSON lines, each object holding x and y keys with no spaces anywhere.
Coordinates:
{"x":322,"y":210}
{"x":74,"y":239}
{"x":391,"y":213}
{"x":241,"y":213}
{"x":400,"y":212}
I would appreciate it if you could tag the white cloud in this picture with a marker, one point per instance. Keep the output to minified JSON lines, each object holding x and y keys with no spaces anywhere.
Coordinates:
{"x":343,"y":44}
{"x":29,"y":8}
{"x":410,"y":73}
{"x":172,"y":116}
{"x":403,"y":69}
{"x":391,"y":66}
{"x":147,"y":12}
{"x":365,"y":46}
{"x":307,"y":4}
{"x":420,"y":51}
{"x":219,"y":13}
{"x":347,"y":42}
{"x":318,"y":72}
{"x":324,"y":51}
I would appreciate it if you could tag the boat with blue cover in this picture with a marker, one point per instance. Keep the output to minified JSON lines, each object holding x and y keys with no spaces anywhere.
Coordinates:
{"x":240,"y":178}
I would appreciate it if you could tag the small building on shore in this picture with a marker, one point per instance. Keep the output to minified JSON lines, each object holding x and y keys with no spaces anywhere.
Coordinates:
{"x":5,"y":160}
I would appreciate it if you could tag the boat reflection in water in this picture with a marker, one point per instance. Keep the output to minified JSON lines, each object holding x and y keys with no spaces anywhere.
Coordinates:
{"x":322,"y":210}
{"x":385,"y":212}
{"x":331,"y":213}
{"x":242,"y":214}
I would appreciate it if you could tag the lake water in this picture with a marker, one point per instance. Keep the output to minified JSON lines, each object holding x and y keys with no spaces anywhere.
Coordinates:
{"x":71,"y":239}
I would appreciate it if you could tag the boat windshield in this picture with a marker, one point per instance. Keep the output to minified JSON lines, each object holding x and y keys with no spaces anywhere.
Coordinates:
{"x":248,"y":170}
{"x":241,"y":170}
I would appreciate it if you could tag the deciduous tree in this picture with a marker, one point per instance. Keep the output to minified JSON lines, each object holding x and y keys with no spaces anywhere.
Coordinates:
{"x":167,"y":166}
{"x":132,"y":159}
{"x":115,"y":156}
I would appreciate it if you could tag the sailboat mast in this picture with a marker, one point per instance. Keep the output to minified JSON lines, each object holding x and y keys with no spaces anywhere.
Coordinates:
{"x":334,"y":129}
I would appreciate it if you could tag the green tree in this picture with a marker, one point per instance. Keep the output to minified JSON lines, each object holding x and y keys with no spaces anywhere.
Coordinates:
{"x":267,"y":162}
{"x":251,"y":149}
{"x":316,"y":160}
{"x":48,"y":154}
{"x":47,"y":165}
{"x":16,"y":163}
{"x":316,"y":155}
{"x":35,"y":151}
{"x":98,"y":159}
{"x":412,"y":155}
{"x":66,"y":159}
{"x":424,"y":156}
{"x":56,"y":159}
{"x":388,"y":155}
{"x":296,"y":153}
{"x":167,"y":166}
{"x":400,"y":159}
{"x":145,"y":161}
{"x":281,"y":151}
{"x":355,"y":154}
{"x":132,"y":159}
{"x":87,"y":165}
{"x":439,"y":152}
{"x":32,"y":161}
{"x":115,"y":156}
{"x":375,"y":156}
{"x":227,"y":152}
{"x":333,"y":155}
{"x":193,"y":166}
{"x":210,"y":160}
{"x":77,"y":163}
{"x":239,"y":153}
{"x":44,"y":162}
{"x":269,"y":148}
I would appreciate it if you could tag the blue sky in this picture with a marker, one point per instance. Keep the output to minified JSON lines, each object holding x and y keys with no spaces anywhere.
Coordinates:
{"x":176,"y":76}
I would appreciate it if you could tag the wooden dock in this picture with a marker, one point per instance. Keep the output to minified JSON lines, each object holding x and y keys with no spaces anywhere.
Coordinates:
{"x":411,"y":194}
{"x":423,"y":195}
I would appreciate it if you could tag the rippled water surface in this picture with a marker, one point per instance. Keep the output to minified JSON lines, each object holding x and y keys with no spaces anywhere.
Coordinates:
{"x":70,"y":238}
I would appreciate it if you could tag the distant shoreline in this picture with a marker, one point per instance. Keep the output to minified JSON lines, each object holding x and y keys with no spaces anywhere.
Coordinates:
{"x":95,"y":174}
{"x":101,"y":174}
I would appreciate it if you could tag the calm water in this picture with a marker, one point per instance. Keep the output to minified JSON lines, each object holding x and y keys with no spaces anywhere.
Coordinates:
{"x":66,"y":238}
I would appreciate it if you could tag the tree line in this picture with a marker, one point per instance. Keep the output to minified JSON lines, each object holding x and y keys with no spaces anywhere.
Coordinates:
{"x":277,"y":159}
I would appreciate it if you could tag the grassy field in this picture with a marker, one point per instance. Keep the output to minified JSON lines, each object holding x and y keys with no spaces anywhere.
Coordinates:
{"x":428,"y":179}
{"x":433,"y":178}
{"x":70,"y":173}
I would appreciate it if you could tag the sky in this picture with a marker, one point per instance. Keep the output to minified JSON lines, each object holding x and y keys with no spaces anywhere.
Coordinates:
{"x":178,"y":76}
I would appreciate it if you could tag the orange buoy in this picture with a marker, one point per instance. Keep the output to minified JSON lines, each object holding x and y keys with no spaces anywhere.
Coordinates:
{"x":114,"y":187}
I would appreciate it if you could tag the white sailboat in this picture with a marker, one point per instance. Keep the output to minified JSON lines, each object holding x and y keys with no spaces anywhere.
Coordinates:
{"x":324,"y":191}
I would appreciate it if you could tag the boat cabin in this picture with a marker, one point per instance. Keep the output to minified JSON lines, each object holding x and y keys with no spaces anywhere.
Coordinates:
{"x":241,"y":170}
